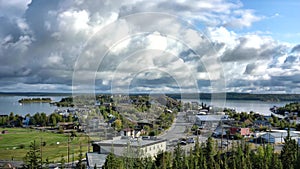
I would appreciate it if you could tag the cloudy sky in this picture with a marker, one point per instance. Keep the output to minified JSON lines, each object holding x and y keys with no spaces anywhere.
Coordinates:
{"x":150,"y":46}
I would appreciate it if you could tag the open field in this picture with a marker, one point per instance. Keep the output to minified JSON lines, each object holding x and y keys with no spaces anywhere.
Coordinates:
{"x":11,"y":144}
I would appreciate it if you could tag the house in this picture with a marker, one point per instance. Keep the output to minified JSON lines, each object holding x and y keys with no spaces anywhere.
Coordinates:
{"x":221,"y":130}
{"x":245,"y":131}
{"x":26,"y":121}
{"x":248,"y":122}
{"x":127,"y":146}
{"x":142,"y":123}
{"x":129,"y":132}
{"x":67,"y":125}
{"x":239,"y":130}
{"x":261,"y":123}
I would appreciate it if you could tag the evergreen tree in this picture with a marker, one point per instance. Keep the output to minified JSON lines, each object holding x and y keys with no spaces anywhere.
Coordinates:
{"x":32,"y":159}
{"x":164,"y":160}
{"x":297,"y":162}
{"x":225,"y":162}
{"x":247,"y":154}
{"x":80,"y":165}
{"x":178,"y":157}
{"x":112,"y":162}
{"x":62,"y":162}
{"x":276,"y":163}
{"x":288,"y":153}
{"x":202,"y":158}
{"x":209,"y":153}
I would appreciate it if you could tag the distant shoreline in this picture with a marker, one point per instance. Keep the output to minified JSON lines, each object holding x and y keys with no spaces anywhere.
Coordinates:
{"x":227,"y":96}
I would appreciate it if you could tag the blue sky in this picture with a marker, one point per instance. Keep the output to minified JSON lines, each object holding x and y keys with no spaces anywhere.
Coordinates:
{"x":280,"y":18}
{"x":150,"y":46}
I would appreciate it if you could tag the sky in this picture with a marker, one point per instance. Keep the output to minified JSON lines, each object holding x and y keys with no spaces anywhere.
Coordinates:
{"x":154,"y":46}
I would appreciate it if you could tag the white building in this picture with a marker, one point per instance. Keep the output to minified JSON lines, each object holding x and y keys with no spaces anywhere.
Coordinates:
{"x":277,"y":137}
{"x":126,"y":146}
{"x":209,"y":121}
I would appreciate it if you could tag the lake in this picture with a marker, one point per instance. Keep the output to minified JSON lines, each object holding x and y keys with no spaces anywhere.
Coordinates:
{"x":10,"y":104}
{"x":243,"y":105}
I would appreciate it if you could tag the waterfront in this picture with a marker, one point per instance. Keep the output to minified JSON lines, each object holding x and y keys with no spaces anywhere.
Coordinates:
{"x":10,"y":104}
{"x":242,"y":105}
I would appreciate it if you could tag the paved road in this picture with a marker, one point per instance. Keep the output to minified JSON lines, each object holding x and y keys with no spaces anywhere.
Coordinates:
{"x":177,"y":131}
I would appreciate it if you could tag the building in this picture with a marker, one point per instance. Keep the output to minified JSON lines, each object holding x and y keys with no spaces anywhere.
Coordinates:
{"x":137,"y":147}
{"x":261,"y":123}
{"x":129,"y":132}
{"x":241,"y":131}
{"x":95,"y":159}
{"x":67,"y":125}
{"x":275,"y":137}
{"x":209,"y":121}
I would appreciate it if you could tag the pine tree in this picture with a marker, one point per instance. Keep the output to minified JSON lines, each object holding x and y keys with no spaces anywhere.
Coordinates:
{"x":80,"y":165}
{"x":32,"y":159}
{"x":297,"y":162}
{"x":225,"y":162}
{"x":178,"y":156}
{"x":163,"y":160}
{"x":112,"y":162}
{"x":247,"y":154}
{"x":209,"y":153}
{"x":276,"y":162}
{"x":288,"y":153}
{"x":62,"y":162}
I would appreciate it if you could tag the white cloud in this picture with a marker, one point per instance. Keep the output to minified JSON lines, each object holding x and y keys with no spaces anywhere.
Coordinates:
{"x":155,"y":51}
{"x":242,"y":18}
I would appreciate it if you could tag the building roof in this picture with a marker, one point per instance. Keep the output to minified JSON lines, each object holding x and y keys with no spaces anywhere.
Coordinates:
{"x":210,"y":117}
{"x":278,"y":135}
{"x":95,"y":159}
{"x":133,"y":142}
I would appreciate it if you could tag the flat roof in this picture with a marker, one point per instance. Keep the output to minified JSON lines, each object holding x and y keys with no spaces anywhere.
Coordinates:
{"x":133,"y":142}
{"x":96,"y":159}
{"x":279,"y":134}
{"x":211,"y":117}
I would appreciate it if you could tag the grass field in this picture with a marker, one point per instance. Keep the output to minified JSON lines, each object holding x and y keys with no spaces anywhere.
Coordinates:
{"x":11,"y":144}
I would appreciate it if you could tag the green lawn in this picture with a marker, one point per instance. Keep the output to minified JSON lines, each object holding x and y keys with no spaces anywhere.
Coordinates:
{"x":56,"y":144}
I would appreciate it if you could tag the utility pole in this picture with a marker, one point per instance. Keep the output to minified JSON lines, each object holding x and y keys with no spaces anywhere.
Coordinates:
{"x":41,"y":152}
{"x":68,"y":148}
{"x":221,"y":135}
{"x":72,"y":156}
{"x":88,"y":142}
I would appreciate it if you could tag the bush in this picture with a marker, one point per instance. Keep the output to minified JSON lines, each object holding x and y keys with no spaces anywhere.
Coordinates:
{"x":238,"y":136}
{"x":73,"y":134}
{"x":21,"y":146}
{"x":60,"y":130}
{"x":152,"y":133}
{"x":44,"y":143}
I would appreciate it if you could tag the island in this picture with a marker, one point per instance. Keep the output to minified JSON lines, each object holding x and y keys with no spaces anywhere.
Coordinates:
{"x":35,"y":100}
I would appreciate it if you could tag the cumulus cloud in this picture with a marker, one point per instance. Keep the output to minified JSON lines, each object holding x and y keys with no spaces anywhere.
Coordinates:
{"x":183,"y":45}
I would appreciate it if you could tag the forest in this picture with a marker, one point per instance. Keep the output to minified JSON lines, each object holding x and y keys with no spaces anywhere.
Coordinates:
{"x":208,"y":156}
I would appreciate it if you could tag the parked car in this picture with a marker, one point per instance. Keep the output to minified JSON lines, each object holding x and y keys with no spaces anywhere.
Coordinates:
{"x":225,"y":143}
{"x":190,"y":140}
{"x":183,"y":141}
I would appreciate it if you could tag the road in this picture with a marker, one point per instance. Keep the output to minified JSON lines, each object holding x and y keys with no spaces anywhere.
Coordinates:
{"x":177,"y":131}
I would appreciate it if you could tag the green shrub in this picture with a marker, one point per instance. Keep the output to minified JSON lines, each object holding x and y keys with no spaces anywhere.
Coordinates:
{"x":21,"y":146}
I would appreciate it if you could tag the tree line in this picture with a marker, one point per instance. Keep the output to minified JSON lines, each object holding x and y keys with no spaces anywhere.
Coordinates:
{"x":38,"y":119}
{"x":208,"y":156}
